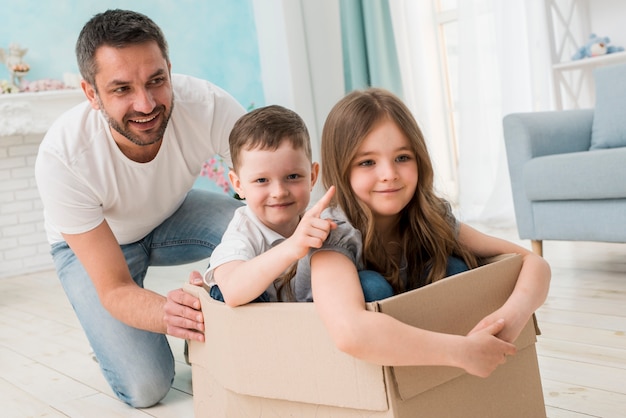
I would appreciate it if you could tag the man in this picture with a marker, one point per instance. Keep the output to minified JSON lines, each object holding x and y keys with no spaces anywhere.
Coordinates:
{"x":115,"y":177}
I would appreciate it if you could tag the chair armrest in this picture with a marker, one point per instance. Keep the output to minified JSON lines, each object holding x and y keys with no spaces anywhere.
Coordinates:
{"x":544,"y":133}
{"x":530,"y":135}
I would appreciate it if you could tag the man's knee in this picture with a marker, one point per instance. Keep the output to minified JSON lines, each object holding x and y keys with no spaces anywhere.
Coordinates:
{"x":145,"y":393}
{"x":142,"y":379}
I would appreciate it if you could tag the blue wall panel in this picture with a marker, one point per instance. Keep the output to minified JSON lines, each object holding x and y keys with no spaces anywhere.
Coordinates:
{"x":211,"y":39}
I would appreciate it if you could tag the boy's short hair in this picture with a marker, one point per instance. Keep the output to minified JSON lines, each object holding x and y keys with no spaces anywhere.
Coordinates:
{"x":266,"y":128}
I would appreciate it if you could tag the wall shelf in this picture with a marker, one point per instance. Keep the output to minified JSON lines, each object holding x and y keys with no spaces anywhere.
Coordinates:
{"x":574,"y":85}
{"x":569,"y":27}
{"x":609,"y":59}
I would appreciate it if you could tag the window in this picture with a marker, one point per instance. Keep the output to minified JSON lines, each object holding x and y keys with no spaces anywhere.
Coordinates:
{"x":447,"y":29}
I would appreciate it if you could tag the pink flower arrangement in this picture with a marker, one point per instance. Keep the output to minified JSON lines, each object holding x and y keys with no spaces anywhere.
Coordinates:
{"x":215,"y":170}
{"x":26,"y":86}
{"x":42,"y":85}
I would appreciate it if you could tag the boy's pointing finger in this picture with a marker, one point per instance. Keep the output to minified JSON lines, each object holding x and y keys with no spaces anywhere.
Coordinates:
{"x":317,"y":209}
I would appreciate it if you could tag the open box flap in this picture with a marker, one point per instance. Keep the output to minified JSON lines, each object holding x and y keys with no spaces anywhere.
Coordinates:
{"x":454,"y":306}
{"x":283,"y":351}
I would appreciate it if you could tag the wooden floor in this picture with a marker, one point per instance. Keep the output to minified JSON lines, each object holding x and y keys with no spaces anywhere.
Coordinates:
{"x":47,"y":370}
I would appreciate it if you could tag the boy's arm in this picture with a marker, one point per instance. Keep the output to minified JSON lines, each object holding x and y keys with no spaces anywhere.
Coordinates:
{"x":531,"y":289}
{"x":242,"y":281}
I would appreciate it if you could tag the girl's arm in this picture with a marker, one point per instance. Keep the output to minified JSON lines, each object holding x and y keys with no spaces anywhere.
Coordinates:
{"x":532,"y":285}
{"x":381,"y":339}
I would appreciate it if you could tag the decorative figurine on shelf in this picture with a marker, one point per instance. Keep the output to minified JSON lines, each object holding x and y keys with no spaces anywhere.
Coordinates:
{"x":596,"y":46}
{"x":13,"y":60}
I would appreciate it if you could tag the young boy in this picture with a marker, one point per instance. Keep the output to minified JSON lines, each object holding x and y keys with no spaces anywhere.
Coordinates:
{"x":267,"y":241}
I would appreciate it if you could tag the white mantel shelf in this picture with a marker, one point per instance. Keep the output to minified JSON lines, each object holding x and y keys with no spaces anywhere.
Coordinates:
{"x":30,"y":113}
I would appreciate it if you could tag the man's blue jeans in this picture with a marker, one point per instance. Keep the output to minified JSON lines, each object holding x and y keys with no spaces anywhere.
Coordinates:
{"x":139,"y":365}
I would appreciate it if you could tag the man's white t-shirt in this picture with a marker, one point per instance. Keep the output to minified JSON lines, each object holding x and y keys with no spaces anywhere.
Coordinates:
{"x":83,"y":178}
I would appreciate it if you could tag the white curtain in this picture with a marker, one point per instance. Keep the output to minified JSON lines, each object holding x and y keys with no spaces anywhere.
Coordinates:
{"x":418,"y":56}
{"x":503,"y":57}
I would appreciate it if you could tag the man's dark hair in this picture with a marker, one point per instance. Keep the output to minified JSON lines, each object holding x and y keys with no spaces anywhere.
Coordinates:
{"x":116,"y":28}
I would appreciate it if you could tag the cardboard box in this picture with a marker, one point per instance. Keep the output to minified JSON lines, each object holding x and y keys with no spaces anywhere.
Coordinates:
{"x":277,"y":359}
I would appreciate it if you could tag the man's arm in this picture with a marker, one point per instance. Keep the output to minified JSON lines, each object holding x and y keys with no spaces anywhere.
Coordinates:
{"x":105,"y":264}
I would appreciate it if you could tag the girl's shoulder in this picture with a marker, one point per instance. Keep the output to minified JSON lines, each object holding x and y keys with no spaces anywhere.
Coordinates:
{"x":335,"y":214}
{"x":344,"y":239}
{"x":344,"y":228}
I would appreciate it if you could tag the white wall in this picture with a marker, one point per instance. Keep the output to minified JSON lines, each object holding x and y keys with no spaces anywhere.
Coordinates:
{"x":608,"y":18}
{"x":301,"y":60}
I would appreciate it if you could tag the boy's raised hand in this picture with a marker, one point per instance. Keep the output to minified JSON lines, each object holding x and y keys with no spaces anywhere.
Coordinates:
{"x":312,"y":230}
{"x":317,"y":209}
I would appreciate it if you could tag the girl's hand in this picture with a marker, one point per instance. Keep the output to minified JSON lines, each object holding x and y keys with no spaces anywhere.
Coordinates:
{"x":514,"y":323}
{"x":483,"y":352}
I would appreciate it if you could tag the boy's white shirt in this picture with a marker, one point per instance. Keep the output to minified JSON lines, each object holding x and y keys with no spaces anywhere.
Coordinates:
{"x":245,"y":238}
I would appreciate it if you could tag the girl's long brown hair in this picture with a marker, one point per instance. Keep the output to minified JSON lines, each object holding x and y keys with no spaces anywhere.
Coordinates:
{"x":428,"y":235}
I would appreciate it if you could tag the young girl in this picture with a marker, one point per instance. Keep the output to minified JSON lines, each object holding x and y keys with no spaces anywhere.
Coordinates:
{"x":374,"y":153}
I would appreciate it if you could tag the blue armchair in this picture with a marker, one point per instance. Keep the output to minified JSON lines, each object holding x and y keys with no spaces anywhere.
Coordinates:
{"x":568,"y":168}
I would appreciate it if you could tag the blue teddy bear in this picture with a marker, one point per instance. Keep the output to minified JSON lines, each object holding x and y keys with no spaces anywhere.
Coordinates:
{"x":596,"y":46}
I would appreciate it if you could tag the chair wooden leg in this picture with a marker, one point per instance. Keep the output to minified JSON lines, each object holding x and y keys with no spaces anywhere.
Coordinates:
{"x":537,"y":246}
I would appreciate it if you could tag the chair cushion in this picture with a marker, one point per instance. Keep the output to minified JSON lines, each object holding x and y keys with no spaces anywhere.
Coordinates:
{"x":586,"y":175}
{"x":609,"y":122}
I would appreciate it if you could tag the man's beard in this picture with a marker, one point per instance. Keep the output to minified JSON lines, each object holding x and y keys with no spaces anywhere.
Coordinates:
{"x":126,"y":133}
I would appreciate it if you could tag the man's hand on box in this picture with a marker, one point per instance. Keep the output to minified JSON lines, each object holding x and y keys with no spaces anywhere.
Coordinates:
{"x":183,"y":316}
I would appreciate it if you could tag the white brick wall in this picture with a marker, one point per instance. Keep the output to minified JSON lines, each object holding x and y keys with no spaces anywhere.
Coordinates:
{"x":23,"y":244}
{"x":24,"y":118}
